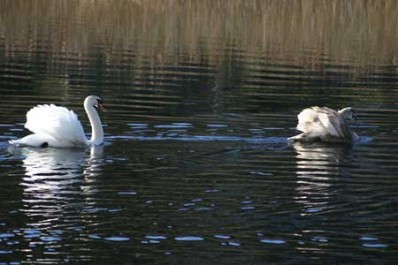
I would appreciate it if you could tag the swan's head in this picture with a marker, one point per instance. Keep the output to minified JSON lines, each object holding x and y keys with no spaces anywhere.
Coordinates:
{"x":94,"y":101}
{"x":348,"y":113}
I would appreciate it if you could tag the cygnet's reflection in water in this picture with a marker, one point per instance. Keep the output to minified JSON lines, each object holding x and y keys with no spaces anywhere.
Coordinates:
{"x":54,"y":188}
{"x":319,"y":166}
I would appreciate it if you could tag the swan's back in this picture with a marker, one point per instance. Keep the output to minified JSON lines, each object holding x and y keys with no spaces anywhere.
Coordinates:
{"x":56,"y":122}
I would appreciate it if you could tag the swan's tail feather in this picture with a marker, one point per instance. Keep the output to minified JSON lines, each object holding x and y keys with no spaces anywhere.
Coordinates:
{"x":30,"y":140}
{"x":36,"y":140}
{"x":14,"y":142}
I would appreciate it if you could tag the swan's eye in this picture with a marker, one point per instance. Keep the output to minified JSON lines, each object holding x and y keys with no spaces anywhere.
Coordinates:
{"x":99,"y":105}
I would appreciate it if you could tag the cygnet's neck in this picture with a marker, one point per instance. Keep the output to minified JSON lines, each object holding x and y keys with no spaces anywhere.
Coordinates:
{"x":97,"y":133}
{"x":346,"y":112}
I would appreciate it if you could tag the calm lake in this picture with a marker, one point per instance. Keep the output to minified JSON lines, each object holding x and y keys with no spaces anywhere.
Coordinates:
{"x":200,"y":98}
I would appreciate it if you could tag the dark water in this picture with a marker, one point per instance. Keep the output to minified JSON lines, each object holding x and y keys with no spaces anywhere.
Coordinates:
{"x":196,"y":168}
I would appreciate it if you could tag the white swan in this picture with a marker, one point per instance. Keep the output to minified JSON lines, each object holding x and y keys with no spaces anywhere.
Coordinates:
{"x":56,"y":126}
{"x":325,"y":124}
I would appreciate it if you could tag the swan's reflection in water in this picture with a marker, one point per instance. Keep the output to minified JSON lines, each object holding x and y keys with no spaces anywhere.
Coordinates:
{"x":55,"y":187}
{"x":53,"y":173}
{"x":319,"y":167}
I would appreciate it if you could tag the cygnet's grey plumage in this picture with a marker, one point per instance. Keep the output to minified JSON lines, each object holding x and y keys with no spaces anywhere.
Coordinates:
{"x":325,"y":124}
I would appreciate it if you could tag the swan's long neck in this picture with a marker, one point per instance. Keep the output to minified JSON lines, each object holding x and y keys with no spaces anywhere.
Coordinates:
{"x":97,"y":133}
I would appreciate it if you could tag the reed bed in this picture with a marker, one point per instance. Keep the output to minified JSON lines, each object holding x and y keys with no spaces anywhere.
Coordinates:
{"x":302,"y":32}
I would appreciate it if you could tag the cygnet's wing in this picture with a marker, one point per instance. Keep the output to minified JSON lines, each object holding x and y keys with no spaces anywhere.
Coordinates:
{"x":307,"y":120}
{"x":320,"y":122}
{"x":57,"y":122}
{"x":330,"y":119}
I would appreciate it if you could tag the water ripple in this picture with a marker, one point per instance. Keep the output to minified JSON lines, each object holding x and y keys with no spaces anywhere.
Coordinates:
{"x":189,"y":238}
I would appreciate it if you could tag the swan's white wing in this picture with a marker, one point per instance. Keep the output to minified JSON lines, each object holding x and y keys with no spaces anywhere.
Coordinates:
{"x":56,"y":122}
